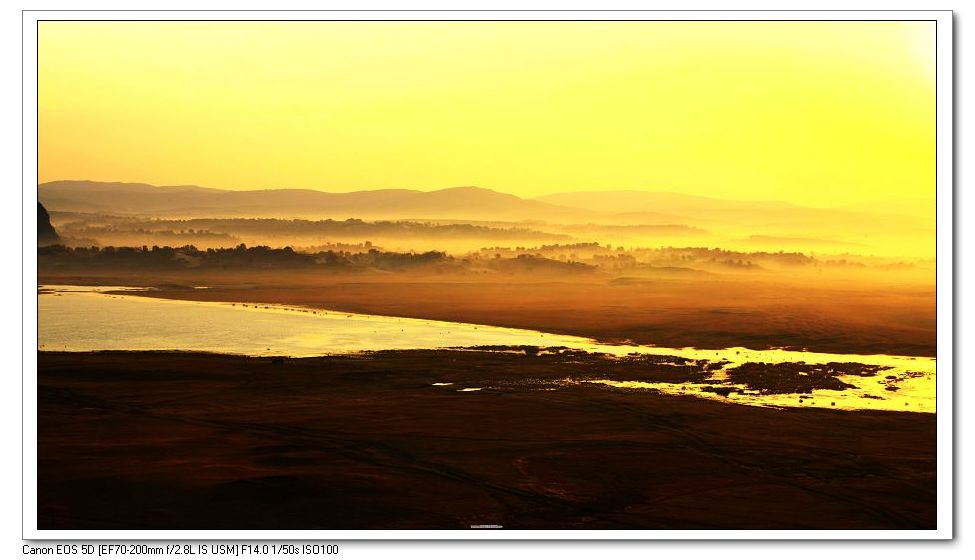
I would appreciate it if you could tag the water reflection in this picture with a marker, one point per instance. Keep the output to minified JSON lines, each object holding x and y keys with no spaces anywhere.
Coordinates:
{"x":914,"y":397}
{"x":85,"y":318}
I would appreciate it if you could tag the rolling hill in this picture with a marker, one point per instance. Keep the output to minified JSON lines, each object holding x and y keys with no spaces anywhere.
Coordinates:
{"x":612,"y":215}
{"x":192,"y":201}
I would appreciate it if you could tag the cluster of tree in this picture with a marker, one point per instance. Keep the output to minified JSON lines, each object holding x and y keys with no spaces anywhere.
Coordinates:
{"x":546,"y":259}
{"x":363,"y":247}
{"x":734,"y":258}
{"x":114,"y":235}
{"x":243,"y":258}
{"x":272,"y":227}
{"x":538,"y":263}
{"x":240,"y":257}
{"x":608,"y":257}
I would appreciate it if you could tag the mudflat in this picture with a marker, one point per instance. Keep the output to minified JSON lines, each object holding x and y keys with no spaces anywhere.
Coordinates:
{"x":833,"y":316}
{"x":392,"y":440}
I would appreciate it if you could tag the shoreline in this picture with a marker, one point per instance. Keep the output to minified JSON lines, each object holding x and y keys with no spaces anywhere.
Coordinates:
{"x":710,"y":314}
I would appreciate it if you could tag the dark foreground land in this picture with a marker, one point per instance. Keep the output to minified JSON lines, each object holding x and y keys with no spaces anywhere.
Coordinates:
{"x":192,"y":441}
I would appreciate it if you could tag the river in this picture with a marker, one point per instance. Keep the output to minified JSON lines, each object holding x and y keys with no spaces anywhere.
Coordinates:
{"x":95,"y":318}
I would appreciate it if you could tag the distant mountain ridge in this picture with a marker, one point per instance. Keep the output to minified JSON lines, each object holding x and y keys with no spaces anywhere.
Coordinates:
{"x":707,"y":211}
{"x":628,"y":201}
{"x":738,"y":217}
{"x":193,"y":201}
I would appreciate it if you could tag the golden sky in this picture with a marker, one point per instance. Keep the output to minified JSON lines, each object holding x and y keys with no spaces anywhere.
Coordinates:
{"x":820,"y":113}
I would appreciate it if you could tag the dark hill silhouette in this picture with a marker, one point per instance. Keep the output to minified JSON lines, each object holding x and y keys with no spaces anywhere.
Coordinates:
{"x":45,"y":231}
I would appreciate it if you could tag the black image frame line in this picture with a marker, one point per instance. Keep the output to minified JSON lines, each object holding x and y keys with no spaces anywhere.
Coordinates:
{"x":954,"y":208}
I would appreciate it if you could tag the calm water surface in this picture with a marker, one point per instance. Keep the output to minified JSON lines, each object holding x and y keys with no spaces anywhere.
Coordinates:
{"x":87,"y":318}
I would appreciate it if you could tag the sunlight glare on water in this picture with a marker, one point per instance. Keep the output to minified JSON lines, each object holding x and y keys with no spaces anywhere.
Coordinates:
{"x":87,"y":318}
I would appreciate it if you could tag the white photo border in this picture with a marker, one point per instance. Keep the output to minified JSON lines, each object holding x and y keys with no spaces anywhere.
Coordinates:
{"x":945,"y":268}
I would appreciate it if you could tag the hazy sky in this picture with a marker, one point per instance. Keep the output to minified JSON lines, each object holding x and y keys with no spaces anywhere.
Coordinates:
{"x":822,"y":113}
